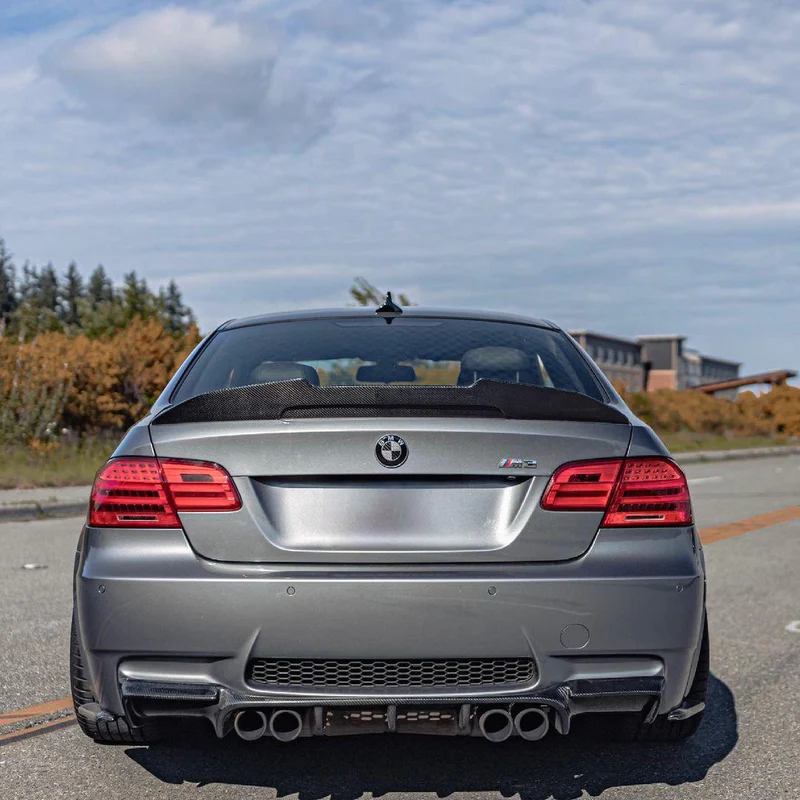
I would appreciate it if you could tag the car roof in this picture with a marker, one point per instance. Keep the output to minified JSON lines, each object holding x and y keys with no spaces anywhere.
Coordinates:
{"x":408,"y":312}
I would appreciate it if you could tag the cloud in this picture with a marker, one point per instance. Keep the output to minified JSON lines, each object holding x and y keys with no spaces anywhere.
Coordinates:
{"x":174,"y":64}
{"x":753,"y":212}
{"x":179,"y":66}
{"x":346,"y":21}
{"x":623,"y":166}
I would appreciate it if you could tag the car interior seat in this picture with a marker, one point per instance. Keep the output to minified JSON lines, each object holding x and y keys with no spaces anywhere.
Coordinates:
{"x":270,"y":371}
{"x":498,"y":364}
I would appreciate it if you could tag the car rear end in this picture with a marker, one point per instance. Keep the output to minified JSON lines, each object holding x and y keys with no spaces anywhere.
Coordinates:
{"x":429,"y":523}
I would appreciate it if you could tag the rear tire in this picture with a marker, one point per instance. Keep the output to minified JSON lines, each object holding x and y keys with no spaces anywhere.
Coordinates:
{"x":116,"y":731}
{"x":633,"y":728}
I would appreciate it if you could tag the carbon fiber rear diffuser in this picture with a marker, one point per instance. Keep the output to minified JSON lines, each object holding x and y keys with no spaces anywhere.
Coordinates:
{"x":219,"y":704}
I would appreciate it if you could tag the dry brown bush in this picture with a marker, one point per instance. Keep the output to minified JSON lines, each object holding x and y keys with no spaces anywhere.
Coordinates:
{"x":57,"y":381}
{"x":774,"y":413}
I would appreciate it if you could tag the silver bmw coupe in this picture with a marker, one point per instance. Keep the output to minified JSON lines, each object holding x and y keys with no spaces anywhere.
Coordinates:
{"x":391,"y":520}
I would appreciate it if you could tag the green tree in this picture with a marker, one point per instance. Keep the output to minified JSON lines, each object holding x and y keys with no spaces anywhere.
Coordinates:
{"x":34,"y":300}
{"x":48,"y":290}
{"x":8,"y":289}
{"x":38,"y":301}
{"x":28,"y":285}
{"x":73,"y":293}
{"x":364,"y":293}
{"x":137,"y":300}
{"x":101,"y":312}
{"x":105,"y":319}
{"x":175,"y":316}
{"x":100,"y":288}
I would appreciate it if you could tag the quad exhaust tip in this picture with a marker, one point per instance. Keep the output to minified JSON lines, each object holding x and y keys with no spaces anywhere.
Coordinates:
{"x":532,"y":724}
{"x":250,"y":724}
{"x":496,"y":724}
{"x":285,"y":725}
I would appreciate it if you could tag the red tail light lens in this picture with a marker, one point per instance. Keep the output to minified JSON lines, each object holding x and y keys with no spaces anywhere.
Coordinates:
{"x":200,"y":486}
{"x":582,"y":486}
{"x":148,"y":492}
{"x":650,"y":491}
{"x":633,"y":492}
{"x":131,"y":493}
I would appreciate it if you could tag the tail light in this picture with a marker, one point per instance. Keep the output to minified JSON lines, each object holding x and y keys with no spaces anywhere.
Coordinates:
{"x":582,"y":486}
{"x":632,"y":491}
{"x":650,"y":491}
{"x":199,"y":486}
{"x":149,"y":492}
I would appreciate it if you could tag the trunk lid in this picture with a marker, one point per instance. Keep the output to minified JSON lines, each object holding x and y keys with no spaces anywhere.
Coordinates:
{"x":314,"y":491}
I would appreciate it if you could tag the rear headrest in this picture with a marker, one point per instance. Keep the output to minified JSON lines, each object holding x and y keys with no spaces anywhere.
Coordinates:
{"x":495,"y":359}
{"x":270,"y":371}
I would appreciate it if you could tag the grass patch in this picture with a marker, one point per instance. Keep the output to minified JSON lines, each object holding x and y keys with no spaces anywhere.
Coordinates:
{"x":66,"y":464}
{"x":687,"y":442}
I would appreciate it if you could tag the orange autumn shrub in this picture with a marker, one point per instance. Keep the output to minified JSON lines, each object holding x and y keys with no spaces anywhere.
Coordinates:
{"x":778,"y":410}
{"x":773,"y":413}
{"x":56,"y":381}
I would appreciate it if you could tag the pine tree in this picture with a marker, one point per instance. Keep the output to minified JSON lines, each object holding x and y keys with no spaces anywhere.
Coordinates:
{"x":175,"y":316}
{"x":102,"y":313}
{"x":100,"y":289}
{"x":72,"y":295}
{"x":38,"y":301}
{"x":48,"y":290}
{"x":28,"y":287}
{"x":8,"y":289}
{"x":137,"y":301}
{"x":35,"y":300}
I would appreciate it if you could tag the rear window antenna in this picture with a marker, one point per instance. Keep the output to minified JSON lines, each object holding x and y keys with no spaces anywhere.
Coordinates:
{"x":389,"y":310}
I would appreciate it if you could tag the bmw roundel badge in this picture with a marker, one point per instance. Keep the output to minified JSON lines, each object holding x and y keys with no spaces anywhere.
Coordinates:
{"x":391,"y":451}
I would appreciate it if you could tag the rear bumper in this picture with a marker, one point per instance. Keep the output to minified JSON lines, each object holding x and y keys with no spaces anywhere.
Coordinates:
{"x":153,"y":615}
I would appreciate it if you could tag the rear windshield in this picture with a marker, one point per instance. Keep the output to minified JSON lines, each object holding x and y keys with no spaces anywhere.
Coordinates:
{"x":410,"y":351}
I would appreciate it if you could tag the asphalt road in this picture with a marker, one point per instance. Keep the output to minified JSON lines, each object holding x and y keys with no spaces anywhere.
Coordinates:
{"x":748,"y":745}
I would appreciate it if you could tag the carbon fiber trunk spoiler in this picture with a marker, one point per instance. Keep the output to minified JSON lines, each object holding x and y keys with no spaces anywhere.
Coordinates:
{"x":298,"y":399}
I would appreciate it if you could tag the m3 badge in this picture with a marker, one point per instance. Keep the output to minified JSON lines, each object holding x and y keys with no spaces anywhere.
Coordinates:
{"x":517,"y":463}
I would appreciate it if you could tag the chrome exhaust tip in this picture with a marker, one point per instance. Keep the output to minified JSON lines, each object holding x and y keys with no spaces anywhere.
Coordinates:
{"x":285,"y":725}
{"x":250,"y":724}
{"x":532,"y":724}
{"x":496,"y":724}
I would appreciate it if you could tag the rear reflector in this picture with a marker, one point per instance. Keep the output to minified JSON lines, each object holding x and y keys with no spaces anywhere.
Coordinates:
{"x":149,"y":492}
{"x":633,"y":491}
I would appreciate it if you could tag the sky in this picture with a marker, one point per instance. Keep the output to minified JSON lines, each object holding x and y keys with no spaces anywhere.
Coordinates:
{"x":626,"y":167}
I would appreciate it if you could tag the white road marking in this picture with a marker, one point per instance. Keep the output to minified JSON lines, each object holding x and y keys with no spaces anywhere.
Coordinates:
{"x":706,"y":480}
{"x":794,"y":626}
